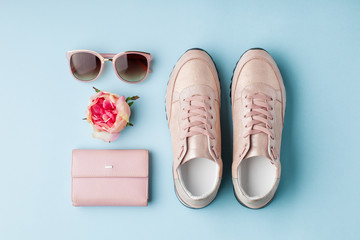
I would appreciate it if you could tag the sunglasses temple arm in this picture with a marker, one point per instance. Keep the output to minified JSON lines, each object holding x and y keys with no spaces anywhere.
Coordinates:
{"x":150,"y":65}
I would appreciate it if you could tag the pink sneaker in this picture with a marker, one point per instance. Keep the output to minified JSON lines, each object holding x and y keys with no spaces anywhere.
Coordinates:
{"x":258,"y":108}
{"x":193,"y":113}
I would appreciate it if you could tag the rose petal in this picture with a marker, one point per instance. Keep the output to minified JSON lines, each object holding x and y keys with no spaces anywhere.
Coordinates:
{"x":96,"y":109}
{"x":105,"y":117}
{"x":122,"y":99}
{"x":100,"y":100}
{"x":95,"y":117}
{"x":111,"y":115}
{"x":111,"y":122}
{"x":108,"y":105}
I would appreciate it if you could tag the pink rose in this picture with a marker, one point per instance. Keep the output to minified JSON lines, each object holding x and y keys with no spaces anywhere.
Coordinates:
{"x":109,"y":114}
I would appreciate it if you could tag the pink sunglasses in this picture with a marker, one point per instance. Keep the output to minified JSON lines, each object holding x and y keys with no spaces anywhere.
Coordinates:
{"x":130,"y":67}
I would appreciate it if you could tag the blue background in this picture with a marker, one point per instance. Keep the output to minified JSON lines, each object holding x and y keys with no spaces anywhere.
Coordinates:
{"x":316,"y":45}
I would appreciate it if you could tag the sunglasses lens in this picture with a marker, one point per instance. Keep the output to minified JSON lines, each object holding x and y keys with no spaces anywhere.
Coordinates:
{"x":132,"y":67}
{"x":85,"y":66}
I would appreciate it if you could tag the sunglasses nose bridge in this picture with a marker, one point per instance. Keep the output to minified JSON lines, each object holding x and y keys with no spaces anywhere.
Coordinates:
{"x":108,"y":59}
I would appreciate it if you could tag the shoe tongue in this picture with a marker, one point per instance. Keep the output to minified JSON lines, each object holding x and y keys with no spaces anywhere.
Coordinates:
{"x":258,"y":146}
{"x":197,"y":147}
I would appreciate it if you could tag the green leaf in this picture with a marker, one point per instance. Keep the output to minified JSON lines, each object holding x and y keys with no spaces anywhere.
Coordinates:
{"x":129,"y":124}
{"x":131,"y":98}
{"x":84,"y":119}
{"x":96,"y":90}
{"x":134,"y":97}
{"x":130,"y":103}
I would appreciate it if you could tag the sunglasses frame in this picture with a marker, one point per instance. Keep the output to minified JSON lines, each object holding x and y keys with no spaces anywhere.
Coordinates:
{"x":105,"y":57}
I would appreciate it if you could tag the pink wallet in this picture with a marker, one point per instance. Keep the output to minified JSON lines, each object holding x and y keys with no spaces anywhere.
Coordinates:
{"x":110,"y":177}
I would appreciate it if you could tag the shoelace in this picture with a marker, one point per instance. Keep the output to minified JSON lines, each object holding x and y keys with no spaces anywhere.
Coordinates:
{"x":260,"y":116}
{"x":197,"y":114}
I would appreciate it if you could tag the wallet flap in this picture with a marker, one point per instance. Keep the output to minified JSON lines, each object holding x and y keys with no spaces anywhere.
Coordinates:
{"x":110,"y":163}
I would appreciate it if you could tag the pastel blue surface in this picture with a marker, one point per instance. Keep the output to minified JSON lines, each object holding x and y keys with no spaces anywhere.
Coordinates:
{"x":316,"y":45}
